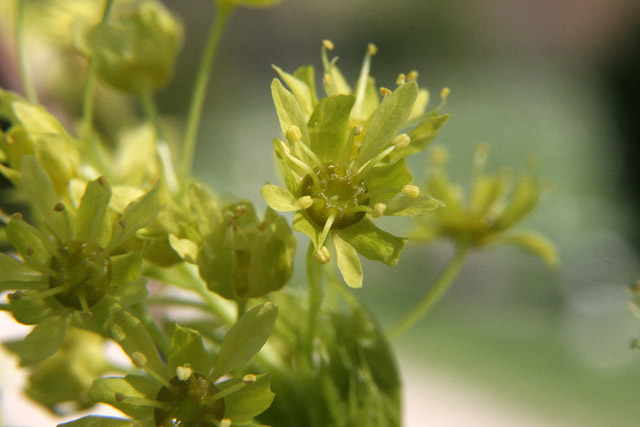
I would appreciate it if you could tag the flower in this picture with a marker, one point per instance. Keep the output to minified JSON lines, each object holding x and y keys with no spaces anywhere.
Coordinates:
{"x":343,"y":164}
{"x":72,"y":266}
{"x":491,"y":210}
{"x":185,"y":390}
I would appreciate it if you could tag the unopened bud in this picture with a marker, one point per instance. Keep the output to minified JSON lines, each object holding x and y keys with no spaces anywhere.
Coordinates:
{"x":378,"y":210}
{"x":411,"y":191}
{"x":401,"y":141}
{"x":323,"y":256}
{"x":293,"y":134}
{"x":306,"y":202}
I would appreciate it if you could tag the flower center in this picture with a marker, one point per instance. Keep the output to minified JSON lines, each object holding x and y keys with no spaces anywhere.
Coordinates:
{"x":83,"y":272}
{"x":338,"y":193}
{"x":189,"y":406}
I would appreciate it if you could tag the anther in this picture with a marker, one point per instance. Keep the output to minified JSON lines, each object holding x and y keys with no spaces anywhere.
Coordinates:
{"x":59,"y":207}
{"x":183,"y":372}
{"x":384,"y":91}
{"x":411,"y":191}
{"x":122,"y":222}
{"x":444,"y":93}
{"x":327,"y":79}
{"x":139,"y":359}
{"x":16,"y":295}
{"x":17,"y":216}
{"x":439,"y":156}
{"x":225,"y":422}
{"x":413,"y":74}
{"x":119,"y":397}
{"x":28,"y":250}
{"x":372,"y":49}
{"x":402,"y":79}
{"x":357,"y":130}
{"x":249,"y":379}
{"x":293,"y":134}
{"x":328,"y":44}
{"x":378,"y":210}
{"x":306,"y":202}
{"x":102,"y":180}
{"x":401,"y":141}
{"x":323,"y":256}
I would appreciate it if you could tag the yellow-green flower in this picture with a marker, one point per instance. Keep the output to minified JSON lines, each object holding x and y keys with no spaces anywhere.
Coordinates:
{"x":495,"y":204}
{"x":343,"y":164}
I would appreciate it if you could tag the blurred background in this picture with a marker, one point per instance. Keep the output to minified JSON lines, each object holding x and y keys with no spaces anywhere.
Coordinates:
{"x":514,"y":343}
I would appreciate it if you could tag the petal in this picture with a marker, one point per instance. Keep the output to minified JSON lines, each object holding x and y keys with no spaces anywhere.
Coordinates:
{"x":348,"y":261}
{"x":388,"y":119}
{"x":280,"y":199}
{"x":329,"y":127}
{"x":412,"y":207}
{"x":373,"y":243}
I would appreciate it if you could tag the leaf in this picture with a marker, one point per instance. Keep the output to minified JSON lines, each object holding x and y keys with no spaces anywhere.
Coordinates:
{"x":300,"y":91}
{"x":387,"y":121}
{"x":288,"y":110}
{"x":105,"y":389}
{"x":245,"y":338}
{"x":12,"y":270}
{"x":329,"y":126}
{"x":92,"y":221}
{"x":98,"y":421}
{"x":302,"y":225}
{"x":373,"y":243}
{"x":138,"y":214}
{"x":412,"y":207}
{"x":44,"y":340}
{"x":187,"y":350}
{"x":132,"y":336}
{"x":255,"y":398}
{"x":348,"y":261}
{"x":279,"y":198}
{"x":37,"y":185}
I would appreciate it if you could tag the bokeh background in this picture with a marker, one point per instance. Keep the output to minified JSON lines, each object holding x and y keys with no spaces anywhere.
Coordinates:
{"x":514,"y":343}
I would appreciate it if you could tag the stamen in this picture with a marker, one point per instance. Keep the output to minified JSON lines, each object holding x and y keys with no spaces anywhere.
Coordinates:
{"x":306,"y":202}
{"x":327,"y":80}
{"x":372,"y":49}
{"x":226,"y":392}
{"x":348,"y":147}
{"x":366,"y":168}
{"x":480,"y":160}
{"x":140,"y":360}
{"x":401,"y":141}
{"x":410,"y":191}
{"x":378,"y":210}
{"x":141,"y":401}
{"x":249,"y":378}
{"x":43,"y":294}
{"x":359,"y":208}
{"x":384,"y":91}
{"x":327,"y":225}
{"x":303,"y":166}
{"x":293,"y":134}
{"x":86,"y":313}
{"x":373,"y":193}
{"x":225,"y":422}
{"x":183,"y":372}
{"x":317,"y":162}
{"x":444,"y":93}
{"x":66,"y":231}
{"x":328,"y":44}
{"x":323,"y":256}
{"x":402,"y":79}
{"x":413,"y":74}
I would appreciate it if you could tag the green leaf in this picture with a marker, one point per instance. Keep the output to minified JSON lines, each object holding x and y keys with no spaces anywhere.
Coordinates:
{"x":534,"y":244}
{"x":105,"y":389}
{"x":187,"y":249}
{"x":302,"y":225}
{"x":97,"y":421}
{"x":138,"y":214}
{"x":412,"y":207}
{"x":132,"y":336}
{"x":92,"y":221}
{"x":393,"y":176}
{"x":187,"y":350}
{"x":279,"y":198}
{"x":13,"y":270}
{"x":44,"y":340}
{"x":249,"y":402}
{"x":300,"y":91}
{"x":373,"y":243}
{"x":38,"y":187}
{"x":389,"y":118}
{"x":329,"y":126}
{"x":348,"y":261}
{"x":288,"y":110}
{"x":245,"y":338}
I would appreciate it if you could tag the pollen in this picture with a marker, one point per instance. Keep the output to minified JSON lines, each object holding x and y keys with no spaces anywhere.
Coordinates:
{"x":323,"y":256}
{"x":293,"y":134}
{"x":401,"y":141}
{"x":328,"y":44}
{"x":384,"y":91}
{"x":411,"y":191}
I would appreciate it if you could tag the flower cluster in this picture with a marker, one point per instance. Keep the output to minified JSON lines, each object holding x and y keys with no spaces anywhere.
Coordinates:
{"x":343,"y":160}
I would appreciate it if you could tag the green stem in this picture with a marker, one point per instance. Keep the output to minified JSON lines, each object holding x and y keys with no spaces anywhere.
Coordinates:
{"x":200,"y":87}
{"x":159,"y":336}
{"x":316,"y":295}
{"x":162,"y":147}
{"x":435,"y":292}
{"x":25,"y":74}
